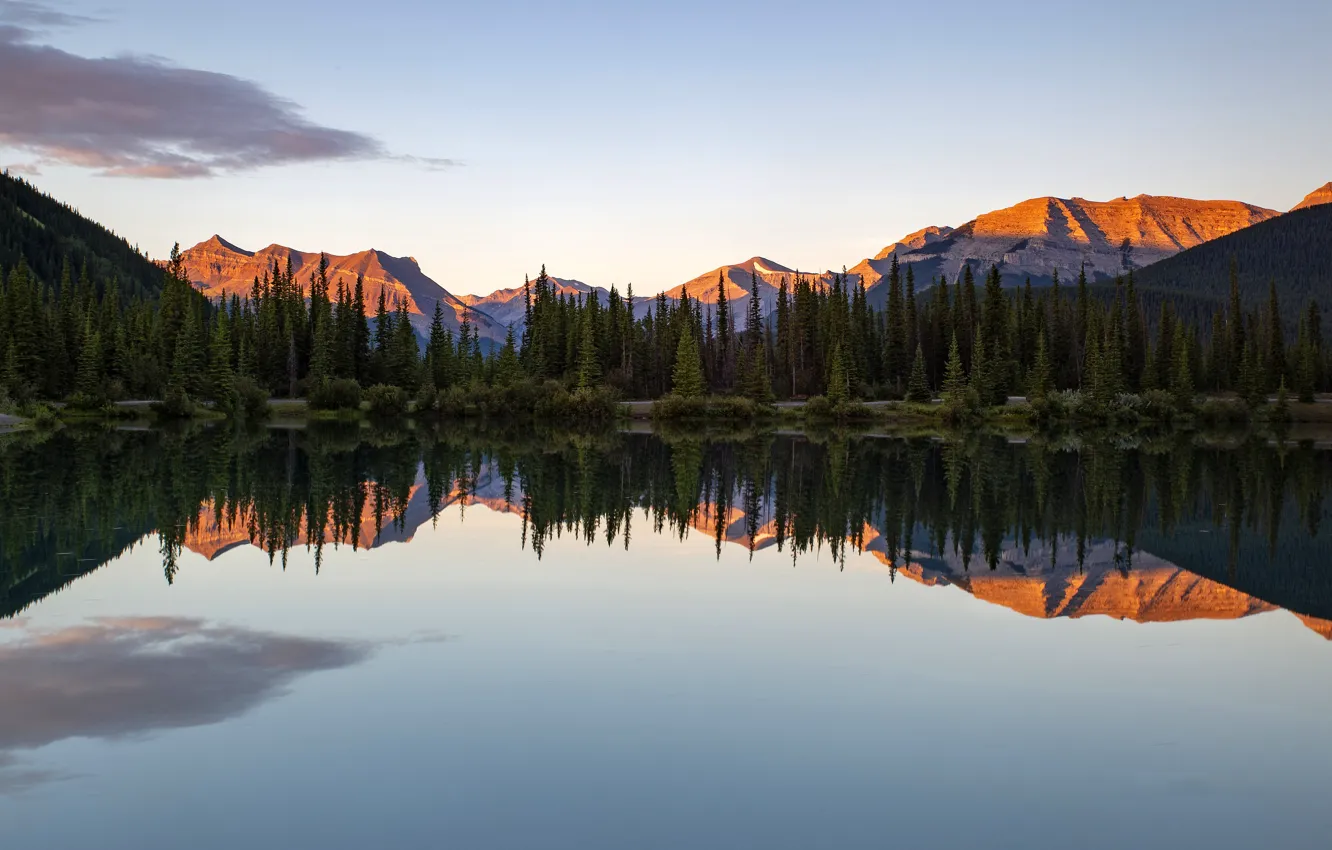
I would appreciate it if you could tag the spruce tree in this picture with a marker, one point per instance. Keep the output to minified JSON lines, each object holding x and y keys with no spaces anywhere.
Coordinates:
{"x":187,"y":363}
{"x":918,"y":389}
{"x":1251,"y":376}
{"x":219,"y":362}
{"x":955,"y":376}
{"x":979,"y":379}
{"x":405,"y":356}
{"x":89,"y":384}
{"x":1181,"y":371}
{"x":360,"y":333}
{"x":839,"y":390}
{"x":1235,"y":324}
{"x":1041,"y":377}
{"x":894,"y":355}
{"x":436,"y":357}
{"x":14,"y":386}
{"x":1276,"y":343}
{"x":589,"y":358}
{"x":687,"y":374}
{"x":1306,"y":368}
{"x":508,"y":371}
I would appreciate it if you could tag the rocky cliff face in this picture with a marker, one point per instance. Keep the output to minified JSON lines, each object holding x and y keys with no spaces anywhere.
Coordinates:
{"x":218,"y":268}
{"x":1321,"y":195}
{"x":1038,"y":236}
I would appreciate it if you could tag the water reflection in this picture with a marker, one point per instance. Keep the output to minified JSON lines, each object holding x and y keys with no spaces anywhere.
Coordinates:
{"x":118,"y":677}
{"x":1180,"y":529}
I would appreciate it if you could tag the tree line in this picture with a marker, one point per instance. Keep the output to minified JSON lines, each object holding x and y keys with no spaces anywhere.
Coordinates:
{"x":81,"y":339}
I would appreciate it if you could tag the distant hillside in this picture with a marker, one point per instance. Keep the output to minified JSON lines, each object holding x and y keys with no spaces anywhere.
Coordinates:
{"x":36,"y":227}
{"x":1294,"y":249}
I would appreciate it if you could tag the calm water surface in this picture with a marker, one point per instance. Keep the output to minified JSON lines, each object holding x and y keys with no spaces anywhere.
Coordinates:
{"x":345,"y":639}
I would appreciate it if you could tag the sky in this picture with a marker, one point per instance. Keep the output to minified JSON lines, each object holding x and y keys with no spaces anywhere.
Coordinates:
{"x":646,"y":142}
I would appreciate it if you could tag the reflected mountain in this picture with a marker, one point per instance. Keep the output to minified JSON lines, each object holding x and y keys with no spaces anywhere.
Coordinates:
{"x":1156,"y":533}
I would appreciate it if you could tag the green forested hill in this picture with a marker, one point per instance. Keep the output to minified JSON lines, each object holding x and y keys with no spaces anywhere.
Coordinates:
{"x":1294,"y":250}
{"x":36,"y":227}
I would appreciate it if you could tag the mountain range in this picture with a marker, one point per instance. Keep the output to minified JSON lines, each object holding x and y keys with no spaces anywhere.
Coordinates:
{"x":1031,"y":239}
{"x":220,"y":269}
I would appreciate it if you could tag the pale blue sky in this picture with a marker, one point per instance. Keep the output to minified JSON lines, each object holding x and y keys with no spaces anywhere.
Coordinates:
{"x":649,"y":142}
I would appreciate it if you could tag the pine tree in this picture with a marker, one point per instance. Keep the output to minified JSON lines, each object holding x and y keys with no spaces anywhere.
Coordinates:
{"x":1306,"y":368}
{"x":687,"y":375}
{"x":1251,"y":377}
{"x":955,"y":376}
{"x":1181,"y":371}
{"x":839,"y":390}
{"x":508,"y":371}
{"x":589,"y":358}
{"x":1276,"y":343}
{"x":436,"y":357}
{"x":979,"y":379}
{"x":1082,"y":329}
{"x":89,"y":384}
{"x":1235,"y":323}
{"x":219,"y":362}
{"x":1041,"y":378}
{"x":14,"y":384}
{"x":723,"y":327}
{"x":918,"y":389}
{"x":404,"y":355}
{"x":894,"y":354}
{"x":360,"y":333}
{"x":188,"y":361}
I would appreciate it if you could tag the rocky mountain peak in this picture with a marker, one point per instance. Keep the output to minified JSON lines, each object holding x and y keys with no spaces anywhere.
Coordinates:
{"x":1321,"y":195}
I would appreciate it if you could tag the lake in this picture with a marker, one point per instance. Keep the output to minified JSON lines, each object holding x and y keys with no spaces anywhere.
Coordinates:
{"x":338,"y":637}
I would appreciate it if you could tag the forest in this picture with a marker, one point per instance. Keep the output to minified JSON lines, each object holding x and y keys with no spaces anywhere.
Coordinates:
{"x":80,"y":340}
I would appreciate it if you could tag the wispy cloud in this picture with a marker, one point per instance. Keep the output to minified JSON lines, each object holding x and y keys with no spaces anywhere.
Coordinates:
{"x":141,"y":116}
{"x":28,"y":14}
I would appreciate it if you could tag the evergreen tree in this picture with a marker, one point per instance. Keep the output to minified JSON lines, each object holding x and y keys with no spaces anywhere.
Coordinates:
{"x":187,"y":366}
{"x":404,"y":355}
{"x":437,"y":357}
{"x":1276,"y":343}
{"x":89,"y":385}
{"x":1181,"y":371}
{"x":894,"y":354}
{"x":360,"y":333}
{"x":839,"y":383}
{"x":918,"y":389}
{"x":1251,"y":376}
{"x":508,"y":371}
{"x":1235,"y":323}
{"x":589,"y":358}
{"x":687,"y":375}
{"x":220,"y":374}
{"x":1041,"y":378}
{"x":979,"y":380}
{"x":955,"y":376}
